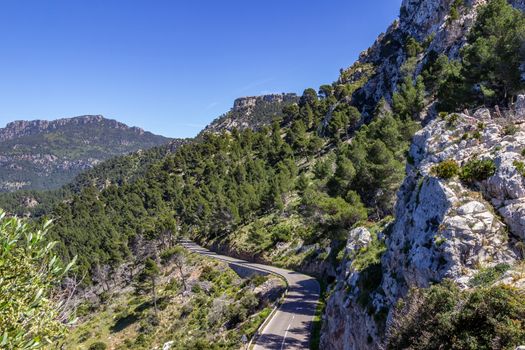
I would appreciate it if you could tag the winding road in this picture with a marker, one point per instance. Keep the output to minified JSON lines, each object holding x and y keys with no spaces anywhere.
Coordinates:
{"x":289,"y":327}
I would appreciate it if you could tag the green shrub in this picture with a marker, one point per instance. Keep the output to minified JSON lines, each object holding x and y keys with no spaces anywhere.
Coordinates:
{"x":477,"y":170}
{"x":481,"y":126}
{"x":445,"y":317}
{"x":476,"y":135}
{"x":489,"y":275}
{"x":412,"y":47}
{"x":510,"y":129}
{"x":369,"y":255}
{"x":452,"y":119}
{"x":281,"y":233}
{"x":447,"y":169}
{"x":520,"y":167}
{"x":454,"y":11}
{"x":443,"y":115}
{"x":98,"y":346}
{"x":29,"y":273}
{"x":523,"y":152}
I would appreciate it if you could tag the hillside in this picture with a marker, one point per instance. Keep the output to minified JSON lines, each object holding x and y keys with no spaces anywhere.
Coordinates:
{"x":401,"y":186}
{"x":48,"y":154}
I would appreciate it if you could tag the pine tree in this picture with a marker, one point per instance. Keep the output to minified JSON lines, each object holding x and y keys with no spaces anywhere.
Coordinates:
{"x":148,"y":280}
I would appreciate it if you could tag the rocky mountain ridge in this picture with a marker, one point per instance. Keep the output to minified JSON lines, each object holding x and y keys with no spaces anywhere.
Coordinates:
{"x":440,"y":26}
{"x":444,"y":228}
{"x":21,"y":128}
{"x":251,"y":112}
{"x":42,"y":154}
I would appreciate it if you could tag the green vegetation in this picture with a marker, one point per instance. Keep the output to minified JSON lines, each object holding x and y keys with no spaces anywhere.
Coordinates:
{"x":489,"y":70}
{"x":487,"y":276}
{"x":520,"y":167}
{"x":510,"y":129}
{"x":98,"y":346}
{"x":315,"y":339}
{"x":50,"y":158}
{"x":477,"y":170}
{"x":370,"y":255}
{"x":408,"y":101}
{"x":214,"y":312}
{"x":445,"y":317}
{"x":447,"y":169}
{"x":454,"y":10}
{"x":474,"y":170}
{"x":262,"y":113}
{"x":219,"y":187}
{"x":30,"y":315}
{"x":147,"y":280}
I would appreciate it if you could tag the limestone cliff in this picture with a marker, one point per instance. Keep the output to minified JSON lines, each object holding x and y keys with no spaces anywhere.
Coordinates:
{"x":443,"y":229}
{"x":251,"y":112}
{"x":431,"y":24}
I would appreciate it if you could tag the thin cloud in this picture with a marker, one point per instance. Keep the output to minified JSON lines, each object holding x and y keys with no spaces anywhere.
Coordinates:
{"x":255,"y":84}
{"x":192,"y":125}
{"x":211,"y":105}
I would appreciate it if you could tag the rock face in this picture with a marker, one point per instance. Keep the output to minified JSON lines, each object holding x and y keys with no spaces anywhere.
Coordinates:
{"x":251,"y":112}
{"x":44,"y":154}
{"x":427,"y":21}
{"x":444,"y":229}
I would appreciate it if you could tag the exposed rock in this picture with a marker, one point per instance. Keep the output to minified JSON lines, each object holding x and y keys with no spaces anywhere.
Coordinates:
{"x":425,"y":20}
{"x":444,"y":229}
{"x":251,"y":112}
{"x":168,"y":345}
{"x":270,"y":290}
{"x":357,"y":238}
{"x":519,"y":106}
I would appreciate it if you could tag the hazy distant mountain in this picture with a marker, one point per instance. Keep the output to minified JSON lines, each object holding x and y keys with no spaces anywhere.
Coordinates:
{"x":43,"y":154}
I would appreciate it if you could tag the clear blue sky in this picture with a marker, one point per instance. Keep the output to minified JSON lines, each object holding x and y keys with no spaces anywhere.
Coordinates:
{"x":172,"y":66}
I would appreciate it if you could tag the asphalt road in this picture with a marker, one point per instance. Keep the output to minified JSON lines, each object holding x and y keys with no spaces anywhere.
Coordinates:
{"x":290,"y":326}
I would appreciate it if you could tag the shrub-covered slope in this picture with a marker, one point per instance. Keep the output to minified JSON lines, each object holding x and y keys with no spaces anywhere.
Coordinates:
{"x":48,"y":154}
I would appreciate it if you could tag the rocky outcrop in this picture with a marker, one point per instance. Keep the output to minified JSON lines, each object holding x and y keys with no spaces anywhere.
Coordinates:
{"x":431,"y":24}
{"x":444,"y":228}
{"x":251,"y":112}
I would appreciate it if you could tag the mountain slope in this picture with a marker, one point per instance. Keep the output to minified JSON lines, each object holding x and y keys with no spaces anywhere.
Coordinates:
{"x":344,"y":187}
{"x":47,"y":154}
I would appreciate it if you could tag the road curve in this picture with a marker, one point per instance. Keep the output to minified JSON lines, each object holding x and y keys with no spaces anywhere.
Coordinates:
{"x":290,"y":326}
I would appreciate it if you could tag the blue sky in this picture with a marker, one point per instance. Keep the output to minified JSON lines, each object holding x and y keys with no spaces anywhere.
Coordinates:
{"x":172,"y":66}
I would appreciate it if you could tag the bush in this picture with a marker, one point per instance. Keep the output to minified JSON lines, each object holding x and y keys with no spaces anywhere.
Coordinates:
{"x":477,"y":170}
{"x":510,"y":129}
{"x":98,"y":346}
{"x":520,"y":167}
{"x":447,"y":169}
{"x":29,"y":272}
{"x":452,"y":119}
{"x":489,"y":275}
{"x":445,"y":317}
{"x":281,"y":233}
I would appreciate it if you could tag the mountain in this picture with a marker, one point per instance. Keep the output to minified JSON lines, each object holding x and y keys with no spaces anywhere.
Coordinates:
{"x":43,"y":154}
{"x":252,"y":112}
{"x":455,"y":237}
{"x":400,"y":186}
